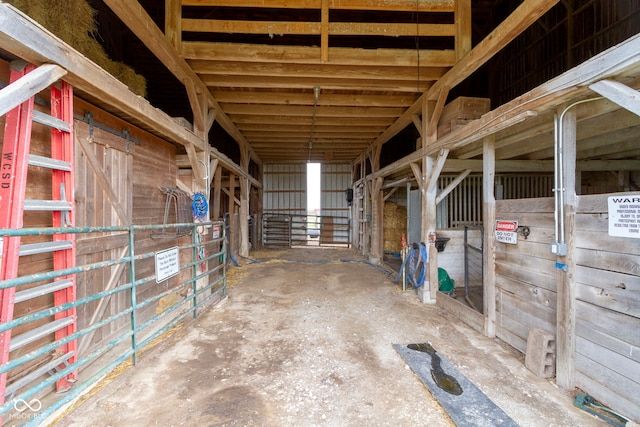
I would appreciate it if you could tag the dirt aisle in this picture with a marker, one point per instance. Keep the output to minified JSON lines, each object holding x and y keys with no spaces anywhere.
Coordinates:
{"x":306,"y":339}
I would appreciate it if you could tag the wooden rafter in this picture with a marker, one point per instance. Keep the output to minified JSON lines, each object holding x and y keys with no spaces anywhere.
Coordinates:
{"x":396,"y":5}
{"x":243,"y":52}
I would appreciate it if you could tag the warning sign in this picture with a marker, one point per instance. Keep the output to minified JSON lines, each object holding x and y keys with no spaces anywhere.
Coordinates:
{"x":624,"y":216}
{"x":216,"y":231}
{"x":507,"y":232}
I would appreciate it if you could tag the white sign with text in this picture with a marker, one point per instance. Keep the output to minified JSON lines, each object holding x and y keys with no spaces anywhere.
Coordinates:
{"x":167,"y":264}
{"x":507,"y":232}
{"x":624,"y":216}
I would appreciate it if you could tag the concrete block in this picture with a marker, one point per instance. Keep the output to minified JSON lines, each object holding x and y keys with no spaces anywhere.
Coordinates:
{"x":424,"y":294}
{"x":541,"y":353}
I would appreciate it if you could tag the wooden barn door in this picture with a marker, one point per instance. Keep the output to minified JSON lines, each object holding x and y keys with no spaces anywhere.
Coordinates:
{"x":103,"y":196}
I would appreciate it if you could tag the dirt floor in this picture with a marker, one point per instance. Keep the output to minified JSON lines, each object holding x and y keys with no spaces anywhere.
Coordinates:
{"x":305,"y":338}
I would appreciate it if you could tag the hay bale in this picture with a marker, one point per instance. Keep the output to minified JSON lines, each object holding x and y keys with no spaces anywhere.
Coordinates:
{"x":74,"y":22}
{"x":395,"y":224}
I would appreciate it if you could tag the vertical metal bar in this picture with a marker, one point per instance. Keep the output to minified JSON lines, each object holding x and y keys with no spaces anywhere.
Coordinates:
{"x":224,"y":262}
{"x":132,"y":278}
{"x":194,"y":269}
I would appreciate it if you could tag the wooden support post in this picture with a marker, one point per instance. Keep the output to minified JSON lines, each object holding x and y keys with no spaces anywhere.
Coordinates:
{"x":217,"y":188}
{"x":376,"y":251}
{"x":489,"y":244}
{"x":377,"y":227}
{"x":434,"y":167}
{"x":565,"y":328}
{"x":232,"y":220}
{"x":243,"y":213}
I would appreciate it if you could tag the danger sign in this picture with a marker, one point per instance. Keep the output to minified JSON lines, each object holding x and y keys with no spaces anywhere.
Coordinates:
{"x":506,"y":232}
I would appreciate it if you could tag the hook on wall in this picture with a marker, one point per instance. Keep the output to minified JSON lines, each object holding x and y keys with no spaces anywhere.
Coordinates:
{"x":524,"y":231}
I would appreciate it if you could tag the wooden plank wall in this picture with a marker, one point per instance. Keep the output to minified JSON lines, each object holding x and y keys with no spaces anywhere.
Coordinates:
{"x":525,"y":273}
{"x":135,"y":173}
{"x":93,"y":209}
{"x":452,"y":258}
{"x":607,"y":310}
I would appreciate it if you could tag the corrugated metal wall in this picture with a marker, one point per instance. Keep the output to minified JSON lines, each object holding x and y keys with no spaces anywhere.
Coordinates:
{"x":334,"y":180}
{"x":285,"y":189}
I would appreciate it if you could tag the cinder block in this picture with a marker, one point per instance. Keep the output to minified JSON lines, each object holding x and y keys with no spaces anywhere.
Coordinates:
{"x":541,"y":353}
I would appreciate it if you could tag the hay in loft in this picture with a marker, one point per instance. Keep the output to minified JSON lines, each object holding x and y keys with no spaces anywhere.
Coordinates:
{"x":74,"y":22}
{"x":395,"y":224}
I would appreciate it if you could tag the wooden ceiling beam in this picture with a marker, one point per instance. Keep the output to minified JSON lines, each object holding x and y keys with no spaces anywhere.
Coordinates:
{"x":319,"y":122}
{"x":234,"y":110}
{"x":319,"y":128}
{"x":389,"y":6}
{"x":307,"y":99}
{"x":320,"y":71}
{"x":315,"y":28}
{"x":221,"y":82}
{"x":242,"y":52}
{"x":305,"y":136}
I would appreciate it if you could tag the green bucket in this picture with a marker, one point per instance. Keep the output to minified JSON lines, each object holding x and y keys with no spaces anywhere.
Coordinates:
{"x":445,"y":283}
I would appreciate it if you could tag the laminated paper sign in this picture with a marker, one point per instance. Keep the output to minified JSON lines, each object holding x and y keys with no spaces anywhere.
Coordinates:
{"x":167,"y":264}
{"x":624,"y":216}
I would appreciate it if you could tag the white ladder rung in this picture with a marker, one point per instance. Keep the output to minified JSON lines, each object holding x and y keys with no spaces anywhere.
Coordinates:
{"x":47,"y":162}
{"x":49,"y":120}
{"x":39,"y":332}
{"x":47,"y":205}
{"x":38,"y":291}
{"x":18,"y":384}
{"x":39,"y":248}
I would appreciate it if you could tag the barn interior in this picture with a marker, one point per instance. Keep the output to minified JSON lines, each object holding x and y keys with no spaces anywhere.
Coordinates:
{"x":484,"y":153}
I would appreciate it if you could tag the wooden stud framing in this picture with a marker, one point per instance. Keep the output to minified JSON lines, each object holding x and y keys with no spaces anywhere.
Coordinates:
{"x":324,"y":31}
{"x":172,"y":23}
{"x":463,"y":27}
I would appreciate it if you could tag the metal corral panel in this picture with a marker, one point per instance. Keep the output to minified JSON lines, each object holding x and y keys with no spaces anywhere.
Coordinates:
{"x":335,"y":179}
{"x":285,"y":188}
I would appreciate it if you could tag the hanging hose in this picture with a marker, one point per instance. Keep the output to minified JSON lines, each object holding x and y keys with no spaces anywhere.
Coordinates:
{"x":200,"y":206}
{"x":417,"y":268}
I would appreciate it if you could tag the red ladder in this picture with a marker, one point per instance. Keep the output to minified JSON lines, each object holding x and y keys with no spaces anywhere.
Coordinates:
{"x":13,"y":183}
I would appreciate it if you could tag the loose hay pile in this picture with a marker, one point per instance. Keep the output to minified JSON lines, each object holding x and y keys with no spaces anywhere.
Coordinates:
{"x":74,"y":22}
